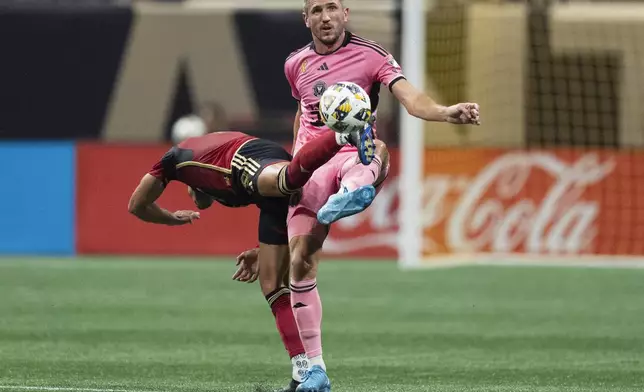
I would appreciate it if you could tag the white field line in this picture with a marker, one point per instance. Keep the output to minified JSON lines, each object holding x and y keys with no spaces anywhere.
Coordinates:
{"x":64,"y":389}
{"x":527,"y":260}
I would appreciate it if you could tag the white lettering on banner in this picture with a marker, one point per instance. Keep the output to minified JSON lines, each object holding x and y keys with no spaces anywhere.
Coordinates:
{"x":381,"y":218}
{"x":489,"y":213}
{"x":561,"y":222}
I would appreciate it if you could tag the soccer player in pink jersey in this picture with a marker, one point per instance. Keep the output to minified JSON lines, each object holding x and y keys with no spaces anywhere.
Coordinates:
{"x":341,"y":187}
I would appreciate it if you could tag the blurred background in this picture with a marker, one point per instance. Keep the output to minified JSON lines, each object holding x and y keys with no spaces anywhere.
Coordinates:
{"x":92,"y":90}
{"x":92,"y":93}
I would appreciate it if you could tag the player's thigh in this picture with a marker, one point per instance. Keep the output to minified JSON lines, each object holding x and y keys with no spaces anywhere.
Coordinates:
{"x":273,"y":266}
{"x":302,"y":217}
{"x":272,"y":228}
{"x":257,"y":165}
{"x":268,"y":180}
{"x":272,"y":235}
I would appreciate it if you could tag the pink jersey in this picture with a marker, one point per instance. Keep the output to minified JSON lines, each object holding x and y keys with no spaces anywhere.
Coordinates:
{"x":358,"y":60}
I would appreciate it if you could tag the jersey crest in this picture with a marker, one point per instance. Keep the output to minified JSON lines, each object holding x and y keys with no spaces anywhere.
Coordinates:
{"x":319,"y":88}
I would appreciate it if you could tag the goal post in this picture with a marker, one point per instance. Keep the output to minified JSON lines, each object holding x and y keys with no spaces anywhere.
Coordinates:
{"x":411,"y":137}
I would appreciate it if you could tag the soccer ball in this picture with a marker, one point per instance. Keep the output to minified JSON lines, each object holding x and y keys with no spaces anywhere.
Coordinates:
{"x":187,"y":127}
{"x":345,"y":107}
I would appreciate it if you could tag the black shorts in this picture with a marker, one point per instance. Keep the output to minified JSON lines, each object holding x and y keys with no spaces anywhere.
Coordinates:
{"x":248,"y":163}
{"x":272,"y":228}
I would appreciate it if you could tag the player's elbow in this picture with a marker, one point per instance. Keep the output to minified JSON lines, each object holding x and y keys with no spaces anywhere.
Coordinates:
{"x":423,"y":107}
{"x":413,"y":104}
{"x":134,"y":207}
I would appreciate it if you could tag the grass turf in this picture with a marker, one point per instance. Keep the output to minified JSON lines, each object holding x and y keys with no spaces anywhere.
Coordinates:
{"x":169,"y":325}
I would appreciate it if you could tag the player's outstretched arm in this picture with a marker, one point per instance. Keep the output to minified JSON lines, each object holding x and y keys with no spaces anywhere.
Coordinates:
{"x":142,"y":204}
{"x":419,"y":104}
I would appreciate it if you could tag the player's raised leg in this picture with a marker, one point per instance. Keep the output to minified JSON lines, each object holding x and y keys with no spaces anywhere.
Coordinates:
{"x":284,"y":178}
{"x":357,"y":189}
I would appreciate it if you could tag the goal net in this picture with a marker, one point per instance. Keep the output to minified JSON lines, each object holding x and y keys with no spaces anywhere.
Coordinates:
{"x":555,"y":173}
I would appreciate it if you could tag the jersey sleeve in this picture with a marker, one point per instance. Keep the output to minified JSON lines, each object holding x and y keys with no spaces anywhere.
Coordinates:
{"x":289,"y":71}
{"x":157,"y":171}
{"x":164,"y":169}
{"x":388,"y":71}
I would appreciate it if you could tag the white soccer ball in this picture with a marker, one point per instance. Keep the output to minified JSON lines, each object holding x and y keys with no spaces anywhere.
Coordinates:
{"x":345,"y":107}
{"x":187,"y":127}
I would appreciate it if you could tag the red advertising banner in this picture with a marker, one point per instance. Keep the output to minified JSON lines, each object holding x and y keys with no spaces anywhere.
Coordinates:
{"x":108,"y":174}
{"x":550,"y":202}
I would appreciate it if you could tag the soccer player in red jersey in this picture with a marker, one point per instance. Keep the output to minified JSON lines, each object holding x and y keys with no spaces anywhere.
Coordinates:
{"x":340,"y":187}
{"x":237,"y":170}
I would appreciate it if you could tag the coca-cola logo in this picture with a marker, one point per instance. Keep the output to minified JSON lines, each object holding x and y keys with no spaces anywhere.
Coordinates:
{"x":531,"y":202}
{"x":552,"y":216}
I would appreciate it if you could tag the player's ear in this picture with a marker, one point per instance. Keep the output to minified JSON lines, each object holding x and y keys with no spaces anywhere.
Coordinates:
{"x":306,"y":19}
{"x":346,"y":15}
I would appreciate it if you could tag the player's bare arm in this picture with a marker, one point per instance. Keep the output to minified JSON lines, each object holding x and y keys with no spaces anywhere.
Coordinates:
{"x":296,"y":124}
{"x":421,"y":105}
{"x":143,"y":204}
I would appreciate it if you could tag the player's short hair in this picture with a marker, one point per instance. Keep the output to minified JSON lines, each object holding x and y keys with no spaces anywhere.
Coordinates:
{"x":305,"y":6}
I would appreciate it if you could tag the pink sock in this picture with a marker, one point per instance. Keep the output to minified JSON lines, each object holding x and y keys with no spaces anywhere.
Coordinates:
{"x":355,"y":175}
{"x":307,"y":309}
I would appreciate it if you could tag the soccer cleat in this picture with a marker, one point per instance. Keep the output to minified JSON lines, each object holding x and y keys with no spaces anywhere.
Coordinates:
{"x":363,"y":140}
{"x":346,"y":204}
{"x":291,"y":387}
{"x":316,"y":380}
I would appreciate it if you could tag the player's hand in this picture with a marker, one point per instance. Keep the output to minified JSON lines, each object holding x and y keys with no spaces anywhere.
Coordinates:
{"x":248,"y":267}
{"x":464,"y":113}
{"x":185,"y":216}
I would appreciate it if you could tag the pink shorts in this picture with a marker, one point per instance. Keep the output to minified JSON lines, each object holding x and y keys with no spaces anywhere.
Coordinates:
{"x":302,"y":218}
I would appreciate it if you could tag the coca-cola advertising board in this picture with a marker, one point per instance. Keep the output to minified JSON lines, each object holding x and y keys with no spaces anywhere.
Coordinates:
{"x":545,"y":202}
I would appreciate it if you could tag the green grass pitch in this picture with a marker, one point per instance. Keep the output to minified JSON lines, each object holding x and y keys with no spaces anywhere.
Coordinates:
{"x":170,"y":325}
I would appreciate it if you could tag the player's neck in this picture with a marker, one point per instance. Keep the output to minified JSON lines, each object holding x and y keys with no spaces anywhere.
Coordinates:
{"x":321,"y":48}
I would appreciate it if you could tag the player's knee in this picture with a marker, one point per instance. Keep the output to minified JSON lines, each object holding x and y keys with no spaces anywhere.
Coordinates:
{"x":382,"y":151}
{"x":304,"y":257}
{"x":303,"y":265}
{"x":270,"y":278}
{"x":269,"y":284}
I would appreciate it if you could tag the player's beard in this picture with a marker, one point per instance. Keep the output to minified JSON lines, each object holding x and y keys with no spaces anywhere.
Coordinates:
{"x":330,"y":37}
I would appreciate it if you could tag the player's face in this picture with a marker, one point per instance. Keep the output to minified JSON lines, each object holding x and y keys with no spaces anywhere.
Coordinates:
{"x":326,"y":19}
